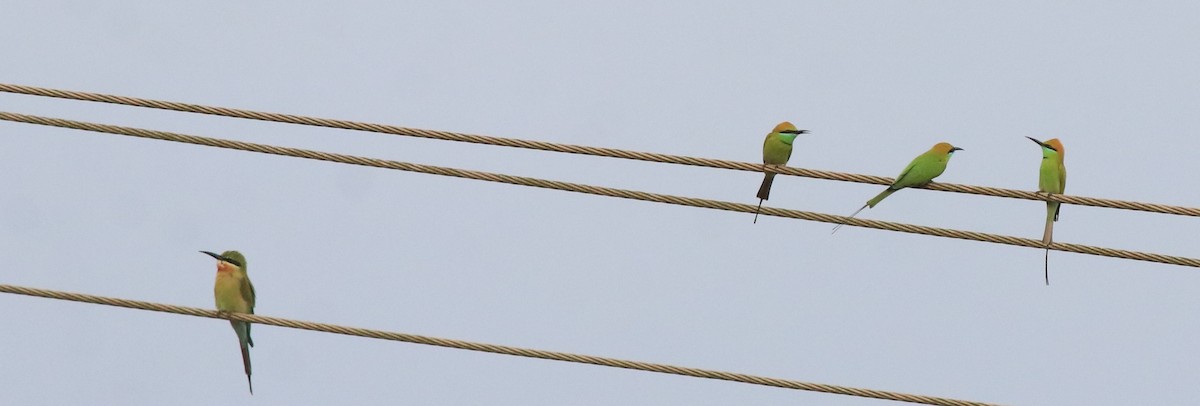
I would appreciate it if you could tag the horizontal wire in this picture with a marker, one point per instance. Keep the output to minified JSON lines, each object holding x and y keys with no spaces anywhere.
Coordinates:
{"x":588,"y":150}
{"x":492,"y":348}
{"x":596,"y":190}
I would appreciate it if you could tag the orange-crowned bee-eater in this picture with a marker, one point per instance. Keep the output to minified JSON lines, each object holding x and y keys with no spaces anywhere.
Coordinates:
{"x":777,"y":149}
{"x":919,"y":172}
{"x":1052,"y":180}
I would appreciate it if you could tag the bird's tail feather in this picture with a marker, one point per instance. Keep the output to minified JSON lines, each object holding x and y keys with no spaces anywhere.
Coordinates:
{"x":1051,"y":216}
{"x":870,"y":203}
{"x":764,"y":191}
{"x":756,"y":211}
{"x":243,"y":333}
{"x":246,"y":365}
{"x":1052,"y":209}
{"x":879,"y":198}
{"x":1046,"y":263}
{"x":835,"y":228}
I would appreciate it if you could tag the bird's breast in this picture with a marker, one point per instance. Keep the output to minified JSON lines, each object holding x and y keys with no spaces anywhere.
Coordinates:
{"x":227,"y":282}
{"x":228,"y":293}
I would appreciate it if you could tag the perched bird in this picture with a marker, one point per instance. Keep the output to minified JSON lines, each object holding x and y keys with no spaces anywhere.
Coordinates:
{"x":234,"y":293}
{"x":919,"y":172}
{"x":1052,"y":180}
{"x":777,"y":149}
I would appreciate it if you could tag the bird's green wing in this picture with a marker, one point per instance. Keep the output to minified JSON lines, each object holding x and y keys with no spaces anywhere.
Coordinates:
{"x":922,"y":170}
{"x":249,"y":295}
{"x":897,"y":184}
{"x":1062,"y":187}
{"x":1062,"y":179}
{"x":775,"y":151}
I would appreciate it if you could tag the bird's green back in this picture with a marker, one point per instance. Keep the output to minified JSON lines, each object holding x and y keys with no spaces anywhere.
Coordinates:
{"x":922,"y":169}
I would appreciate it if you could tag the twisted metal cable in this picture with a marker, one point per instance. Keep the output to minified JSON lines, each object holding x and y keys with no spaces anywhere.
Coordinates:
{"x":595,"y":190}
{"x":587,"y":150}
{"x":492,"y":348}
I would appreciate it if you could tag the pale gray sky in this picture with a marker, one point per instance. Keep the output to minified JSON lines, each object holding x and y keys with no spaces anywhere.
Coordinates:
{"x":876,"y":82}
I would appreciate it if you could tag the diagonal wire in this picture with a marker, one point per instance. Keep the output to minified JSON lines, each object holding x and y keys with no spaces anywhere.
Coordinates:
{"x":596,"y":190}
{"x":586,"y":150}
{"x":492,"y":348}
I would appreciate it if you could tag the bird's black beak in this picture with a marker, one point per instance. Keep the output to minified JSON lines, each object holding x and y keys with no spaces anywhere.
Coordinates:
{"x":218,"y":257}
{"x":794,"y":132}
{"x":952,"y":149}
{"x":1040,"y":143}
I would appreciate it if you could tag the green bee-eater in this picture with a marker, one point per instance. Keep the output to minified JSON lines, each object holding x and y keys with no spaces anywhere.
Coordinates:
{"x":777,"y":149}
{"x":919,"y":172}
{"x":234,"y":293}
{"x":1052,"y":179}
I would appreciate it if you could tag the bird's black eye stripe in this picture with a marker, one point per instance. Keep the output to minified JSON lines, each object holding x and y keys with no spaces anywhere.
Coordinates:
{"x":232,"y":261}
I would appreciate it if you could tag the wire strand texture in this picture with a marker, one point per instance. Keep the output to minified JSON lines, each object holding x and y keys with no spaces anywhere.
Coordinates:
{"x":491,"y":348}
{"x":596,"y":190}
{"x":587,"y":150}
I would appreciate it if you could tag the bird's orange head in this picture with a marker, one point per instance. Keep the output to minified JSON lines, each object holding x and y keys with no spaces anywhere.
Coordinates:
{"x":787,"y":128}
{"x":944,"y":148}
{"x":1051,"y":144}
{"x":1057,"y":145}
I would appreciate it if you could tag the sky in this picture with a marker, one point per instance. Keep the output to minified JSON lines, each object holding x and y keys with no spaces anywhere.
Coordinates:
{"x":876,"y":82}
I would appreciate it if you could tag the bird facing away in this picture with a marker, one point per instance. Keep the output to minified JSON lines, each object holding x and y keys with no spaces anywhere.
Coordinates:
{"x":777,"y":149}
{"x":919,"y":172}
{"x":1051,"y":180}
{"x":235,"y":294}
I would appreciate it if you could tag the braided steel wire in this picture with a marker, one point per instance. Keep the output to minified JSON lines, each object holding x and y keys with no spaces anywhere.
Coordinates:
{"x":492,"y":348}
{"x":587,"y":150}
{"x":597,"y":190}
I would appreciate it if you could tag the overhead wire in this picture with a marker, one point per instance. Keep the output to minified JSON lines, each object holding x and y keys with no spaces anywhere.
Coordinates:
{"x":490,"y":348}
{"x":581,"y":188}
{"x":588,"y":150}
{"x":595,"y":190}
